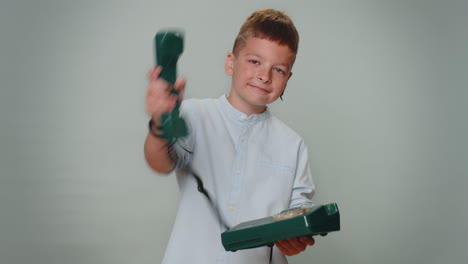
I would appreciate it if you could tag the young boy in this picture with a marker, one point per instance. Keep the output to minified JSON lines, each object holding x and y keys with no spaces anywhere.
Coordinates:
{"x":250,"y":164}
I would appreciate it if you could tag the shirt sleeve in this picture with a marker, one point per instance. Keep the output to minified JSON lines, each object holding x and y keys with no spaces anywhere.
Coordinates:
{"x":303,"y":188}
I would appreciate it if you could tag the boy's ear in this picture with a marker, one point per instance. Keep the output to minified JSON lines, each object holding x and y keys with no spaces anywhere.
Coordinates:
{"x":282,"y":93}
{"x":229,"y":65}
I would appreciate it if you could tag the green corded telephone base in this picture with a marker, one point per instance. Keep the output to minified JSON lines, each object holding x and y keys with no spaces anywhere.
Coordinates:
{"x":290,"y":223}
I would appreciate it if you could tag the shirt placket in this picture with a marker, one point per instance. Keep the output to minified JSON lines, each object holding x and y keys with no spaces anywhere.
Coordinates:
{"x":237,"y":174}
{"x":238,"y":171}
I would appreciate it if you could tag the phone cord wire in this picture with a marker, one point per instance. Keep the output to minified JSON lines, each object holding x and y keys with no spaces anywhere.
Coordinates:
{"x":202,"y":190}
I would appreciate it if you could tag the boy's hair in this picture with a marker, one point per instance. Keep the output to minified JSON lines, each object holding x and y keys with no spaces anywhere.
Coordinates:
{"x":268,"y":24}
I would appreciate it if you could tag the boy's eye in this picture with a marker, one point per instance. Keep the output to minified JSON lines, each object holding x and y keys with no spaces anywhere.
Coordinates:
{"x":279,"y":70}
{"x":254,"y":61}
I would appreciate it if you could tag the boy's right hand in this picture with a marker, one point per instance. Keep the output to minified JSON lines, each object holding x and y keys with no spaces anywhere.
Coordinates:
{"x":159,"y":99}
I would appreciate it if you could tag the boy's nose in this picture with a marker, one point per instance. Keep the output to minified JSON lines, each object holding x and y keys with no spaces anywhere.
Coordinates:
{"x":264,"y":76}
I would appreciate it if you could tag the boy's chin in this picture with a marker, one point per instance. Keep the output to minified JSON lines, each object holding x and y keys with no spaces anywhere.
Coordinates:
{"x":260,"y":105}
{"x":263,"y":101}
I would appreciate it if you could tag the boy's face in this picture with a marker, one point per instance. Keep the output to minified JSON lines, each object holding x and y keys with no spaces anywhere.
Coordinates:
{"x":260,"y":72}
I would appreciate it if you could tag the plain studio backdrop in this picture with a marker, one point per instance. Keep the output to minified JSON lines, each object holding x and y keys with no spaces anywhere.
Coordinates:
{"x":379,"y":93}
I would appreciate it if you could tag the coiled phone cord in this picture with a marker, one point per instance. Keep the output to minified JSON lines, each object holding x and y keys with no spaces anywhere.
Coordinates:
{"x":173,"y":156}
{"x":202,"y":190}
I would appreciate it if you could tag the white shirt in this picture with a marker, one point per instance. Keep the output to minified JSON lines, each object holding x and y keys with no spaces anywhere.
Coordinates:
{"x":252,"y":167}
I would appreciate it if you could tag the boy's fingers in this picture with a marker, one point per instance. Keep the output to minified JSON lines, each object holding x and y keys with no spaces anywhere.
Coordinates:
{"x":156,"y":106}
{"x":159,"y":98}
{"x":307,"y":240}
{"x":158,"y":84}
{"x":154,"y":72}
{"x":150,"y":72}
{"x":284,"y":247}
{"x":297,"y":244}
{"x":179,"y":86}
{"x":291,"y":246}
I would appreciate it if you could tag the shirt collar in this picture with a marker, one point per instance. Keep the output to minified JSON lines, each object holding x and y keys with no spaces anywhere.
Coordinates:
{"x":238,"y":115}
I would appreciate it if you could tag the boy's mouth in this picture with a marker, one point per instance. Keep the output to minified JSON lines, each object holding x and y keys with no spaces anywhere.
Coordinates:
{"x":259,"y":88}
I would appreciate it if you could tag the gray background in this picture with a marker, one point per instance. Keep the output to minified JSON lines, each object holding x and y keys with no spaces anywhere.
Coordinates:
{"x":379,"y":93}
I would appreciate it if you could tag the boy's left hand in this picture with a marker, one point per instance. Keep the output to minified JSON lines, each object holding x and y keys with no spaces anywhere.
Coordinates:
{"x":293,"y":246}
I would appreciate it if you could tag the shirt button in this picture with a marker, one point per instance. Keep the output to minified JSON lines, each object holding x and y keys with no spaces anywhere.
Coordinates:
{"x":243,"y":117}
{"x":238,"y":171}
{"x":232,"y":208}
{"x":243,"y":138}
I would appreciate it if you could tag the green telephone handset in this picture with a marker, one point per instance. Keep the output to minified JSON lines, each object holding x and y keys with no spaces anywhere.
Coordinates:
{"x":169,"y":45}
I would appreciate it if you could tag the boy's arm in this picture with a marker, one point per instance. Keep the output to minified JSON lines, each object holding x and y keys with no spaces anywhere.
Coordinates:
{"x":303,"y":188}
{"x":302,"y":192}
{"x":159,"y":156}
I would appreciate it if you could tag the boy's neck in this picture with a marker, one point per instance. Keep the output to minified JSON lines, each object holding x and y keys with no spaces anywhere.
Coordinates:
{"x":244,"y":108}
